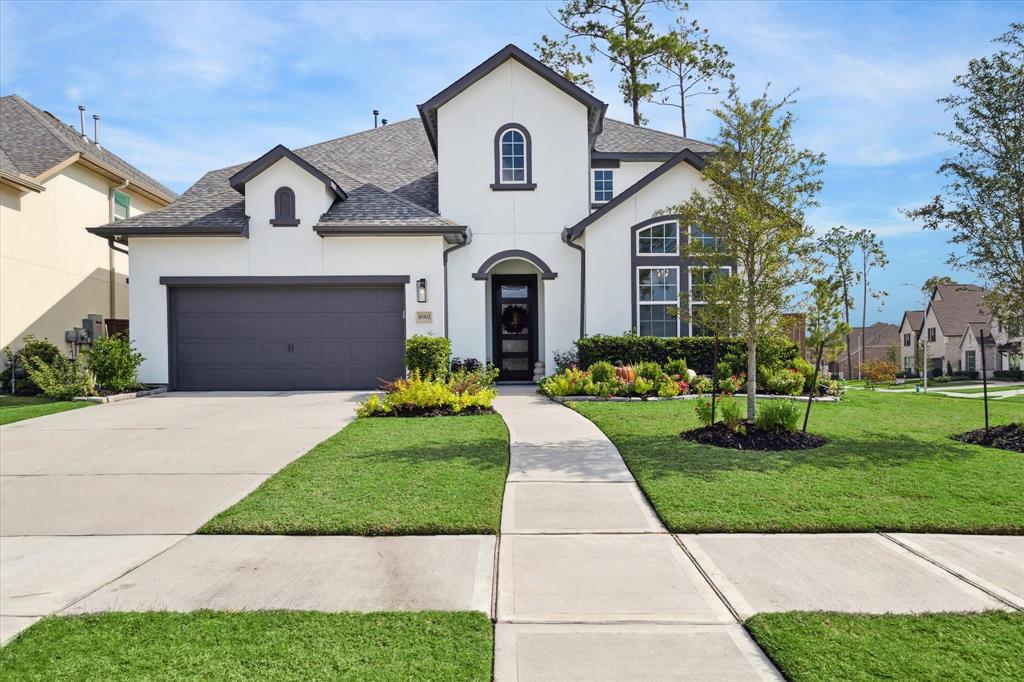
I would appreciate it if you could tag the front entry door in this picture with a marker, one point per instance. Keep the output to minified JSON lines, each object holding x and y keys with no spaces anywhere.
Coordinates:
{"x":514,"y":325}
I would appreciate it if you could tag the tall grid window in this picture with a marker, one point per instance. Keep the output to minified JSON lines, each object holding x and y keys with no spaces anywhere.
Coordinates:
{"x":700,"y":277}
{"x":660,"y":239}
{"x":657,"y":301}
{"x":603,"y":186}
{"x":513,"y":156}
{"x":705,"y":239}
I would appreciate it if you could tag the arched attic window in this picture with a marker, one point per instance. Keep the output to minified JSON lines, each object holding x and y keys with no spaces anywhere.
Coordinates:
{"x":284,"y":207}
{"x":513,"y":158}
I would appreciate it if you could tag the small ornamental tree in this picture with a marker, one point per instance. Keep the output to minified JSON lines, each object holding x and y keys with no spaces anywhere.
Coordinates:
{"x":758,"y":185}
{"x":879,"y":372}
{"x":826,"y":329}
{"x":872,"y":254}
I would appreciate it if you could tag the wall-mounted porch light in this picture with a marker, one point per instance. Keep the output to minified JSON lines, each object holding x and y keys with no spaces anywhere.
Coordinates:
{"x":421,"y":291}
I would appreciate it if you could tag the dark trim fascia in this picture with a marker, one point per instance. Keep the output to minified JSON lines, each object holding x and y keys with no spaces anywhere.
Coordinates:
{"x":686,"y":155}
{"x":444,"y":264}
{"x":599,"y":163}
{"x":301,"y":280}
{"x":428,"y":110}
{"x":619,"y":157}
{"x":514,"y":187}
{"x":583,"y":286}
{"x":238,"y":180}
{"x":189,"y":231}
{"x":597,"y":204}
{"x":453,"y":234}
{"x":485,"y":267}
{"x":284,"y":222}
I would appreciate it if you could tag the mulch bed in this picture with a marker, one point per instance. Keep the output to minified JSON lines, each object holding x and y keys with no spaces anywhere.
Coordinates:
{"x":1008,"y":437}
{"x":418,"y":412}
{"x":754,"y":438}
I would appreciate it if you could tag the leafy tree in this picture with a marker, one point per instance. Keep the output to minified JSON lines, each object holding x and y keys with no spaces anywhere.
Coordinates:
{"x":826,"y":328}
{"x":566,"y":59}
{"x":758,"y":186}
{"x":982,"y":204}
{"x":935,"y":280}
{"x":692,"y":64}
{"x":620,"y":31}
{"x":838,"y":245}
{"x":872,"y":255}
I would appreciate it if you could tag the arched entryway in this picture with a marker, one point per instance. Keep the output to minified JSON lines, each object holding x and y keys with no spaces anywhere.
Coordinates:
{"x":515,"y":311}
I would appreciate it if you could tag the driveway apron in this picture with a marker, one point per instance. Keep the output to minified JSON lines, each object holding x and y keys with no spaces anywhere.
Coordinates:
{"x":590,"y":584}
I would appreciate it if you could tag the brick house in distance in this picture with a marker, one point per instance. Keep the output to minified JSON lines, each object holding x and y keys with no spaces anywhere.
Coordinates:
{"x":879,"y":340}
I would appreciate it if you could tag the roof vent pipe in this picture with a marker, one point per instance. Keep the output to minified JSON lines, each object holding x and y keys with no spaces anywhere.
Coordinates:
{"x":81,"y":114}
{"x":96,"y":130}
{"x":383,"y":122}
{"x":376,"y":113}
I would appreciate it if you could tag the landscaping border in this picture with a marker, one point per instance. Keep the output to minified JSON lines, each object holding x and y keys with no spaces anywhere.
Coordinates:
{"x":689,"y":396}
{"x":118,"y":397}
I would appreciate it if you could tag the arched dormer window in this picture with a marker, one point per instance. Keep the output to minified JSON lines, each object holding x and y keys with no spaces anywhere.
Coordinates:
{"x":284,"y":208}
{"x":513,"y":158}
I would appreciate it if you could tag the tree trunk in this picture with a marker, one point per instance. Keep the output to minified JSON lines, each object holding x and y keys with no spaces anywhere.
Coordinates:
{"x":863,"y":321}
{"x":813,"y":392}
{"x":714,"y":379}
{"x":682,"y":104}
{"x":849,"y":349}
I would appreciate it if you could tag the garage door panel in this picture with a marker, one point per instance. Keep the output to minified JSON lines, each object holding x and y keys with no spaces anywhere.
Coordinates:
{"x":253,"y":338}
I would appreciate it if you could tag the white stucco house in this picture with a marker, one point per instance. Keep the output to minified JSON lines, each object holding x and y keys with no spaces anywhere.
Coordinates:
{"x":512,"y":217}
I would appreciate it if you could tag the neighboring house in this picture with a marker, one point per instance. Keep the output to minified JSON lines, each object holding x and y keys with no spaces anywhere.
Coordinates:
{"x":54,"y":183}
{"x":879,"y":341}
{"x":910,"y":336}
{"x":512,"y":217}
{"x":949,"y":332}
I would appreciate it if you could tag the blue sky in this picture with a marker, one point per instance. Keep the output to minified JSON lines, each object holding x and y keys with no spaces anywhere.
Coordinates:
{"x":186,"y":87}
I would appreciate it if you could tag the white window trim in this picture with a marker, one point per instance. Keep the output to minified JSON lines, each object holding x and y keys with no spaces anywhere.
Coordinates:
{"x":689,"y":233}
{"x":639,"y":303}
{"x":689,"y":298}
{"x":501,"y":158}
{"x":636,"y":246}
{"x":593,"y":197}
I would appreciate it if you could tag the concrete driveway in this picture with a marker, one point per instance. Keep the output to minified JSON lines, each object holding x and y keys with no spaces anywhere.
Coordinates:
{"x":88,"y":495}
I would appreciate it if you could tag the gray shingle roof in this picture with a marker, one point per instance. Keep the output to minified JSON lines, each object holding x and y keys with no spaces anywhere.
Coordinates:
{"x":960,"y":304}
{"x":389,"y":174}
{"x":34,"y":141}
{"x":915,"y":318}
{"x":625,"y":138}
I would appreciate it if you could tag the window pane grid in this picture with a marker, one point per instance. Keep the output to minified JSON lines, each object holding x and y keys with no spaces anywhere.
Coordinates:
{"x":658,"y":294}
{"x":603,"y":185}
{"x":658,"y":239}
{"x":513,"y":156}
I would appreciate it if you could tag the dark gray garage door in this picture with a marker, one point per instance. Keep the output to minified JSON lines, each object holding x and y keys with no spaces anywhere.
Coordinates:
{"x":285,"y":337}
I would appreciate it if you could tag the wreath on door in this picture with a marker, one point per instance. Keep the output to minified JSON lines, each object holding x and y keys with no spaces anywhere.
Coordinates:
{"x":514,"y":319}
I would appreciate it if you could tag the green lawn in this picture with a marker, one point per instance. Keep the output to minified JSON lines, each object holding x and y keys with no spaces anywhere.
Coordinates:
{"x":385,"y":476}
{"x":847,"y":647}
{"x":888,"y":465}
{"x":15,"y":408}
{"x":267,"y":645}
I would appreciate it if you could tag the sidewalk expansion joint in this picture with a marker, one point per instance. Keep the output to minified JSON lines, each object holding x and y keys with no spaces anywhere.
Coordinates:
{"x":707,"y":578}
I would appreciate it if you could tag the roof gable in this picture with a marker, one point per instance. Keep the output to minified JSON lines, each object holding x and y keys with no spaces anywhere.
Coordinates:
{"x":240,"y":178}
{"x":571,"y":233}
{"x":428,"y":110}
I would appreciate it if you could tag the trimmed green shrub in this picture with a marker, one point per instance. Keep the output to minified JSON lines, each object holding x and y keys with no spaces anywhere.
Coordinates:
{"x":418,"y":396}
{"x":115,"y":363}
{"x":676,"y":367}
{"x":1012,"y":374}
{"x":696,"y":351}
{"x":782,"y":381}
{"x":63,"y":378}
{"x":648,"y":370}
{"x":701,"y":385}
{"x":31,"y":348}
{"x":732,"y":414}
{"x":428,"y":355}
{"x":777,"y":415}
{"x":602,"y":372}
{"x":572,"y":381}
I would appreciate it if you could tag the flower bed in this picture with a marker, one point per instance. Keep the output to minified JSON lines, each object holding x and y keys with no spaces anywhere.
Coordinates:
{"x":1006,"y":437}
{"x":458,"y":393}
{"x":753,"y":438}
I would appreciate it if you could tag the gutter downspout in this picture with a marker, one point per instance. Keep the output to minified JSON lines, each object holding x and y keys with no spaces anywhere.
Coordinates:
{"x":110,"y":254}
{"x":444,"y":260}
{"x":583,"y":281}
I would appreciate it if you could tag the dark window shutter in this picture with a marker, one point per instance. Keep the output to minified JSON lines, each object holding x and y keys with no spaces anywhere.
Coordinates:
{"x":284,"y":207}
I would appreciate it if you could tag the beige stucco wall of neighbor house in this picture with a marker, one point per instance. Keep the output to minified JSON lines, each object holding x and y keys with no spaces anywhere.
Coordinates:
{"x":52,"y":272}
{"x":504,"y":220}
{"x":275,"y":251}
{"x":609,"y":250}
{"x":908,"y":353}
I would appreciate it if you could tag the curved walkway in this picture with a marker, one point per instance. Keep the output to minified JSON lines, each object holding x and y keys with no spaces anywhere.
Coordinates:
{"x":590,"y":584}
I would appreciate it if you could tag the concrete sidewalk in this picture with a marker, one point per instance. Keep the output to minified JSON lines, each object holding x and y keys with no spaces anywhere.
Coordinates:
{"x":590,"y":584}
